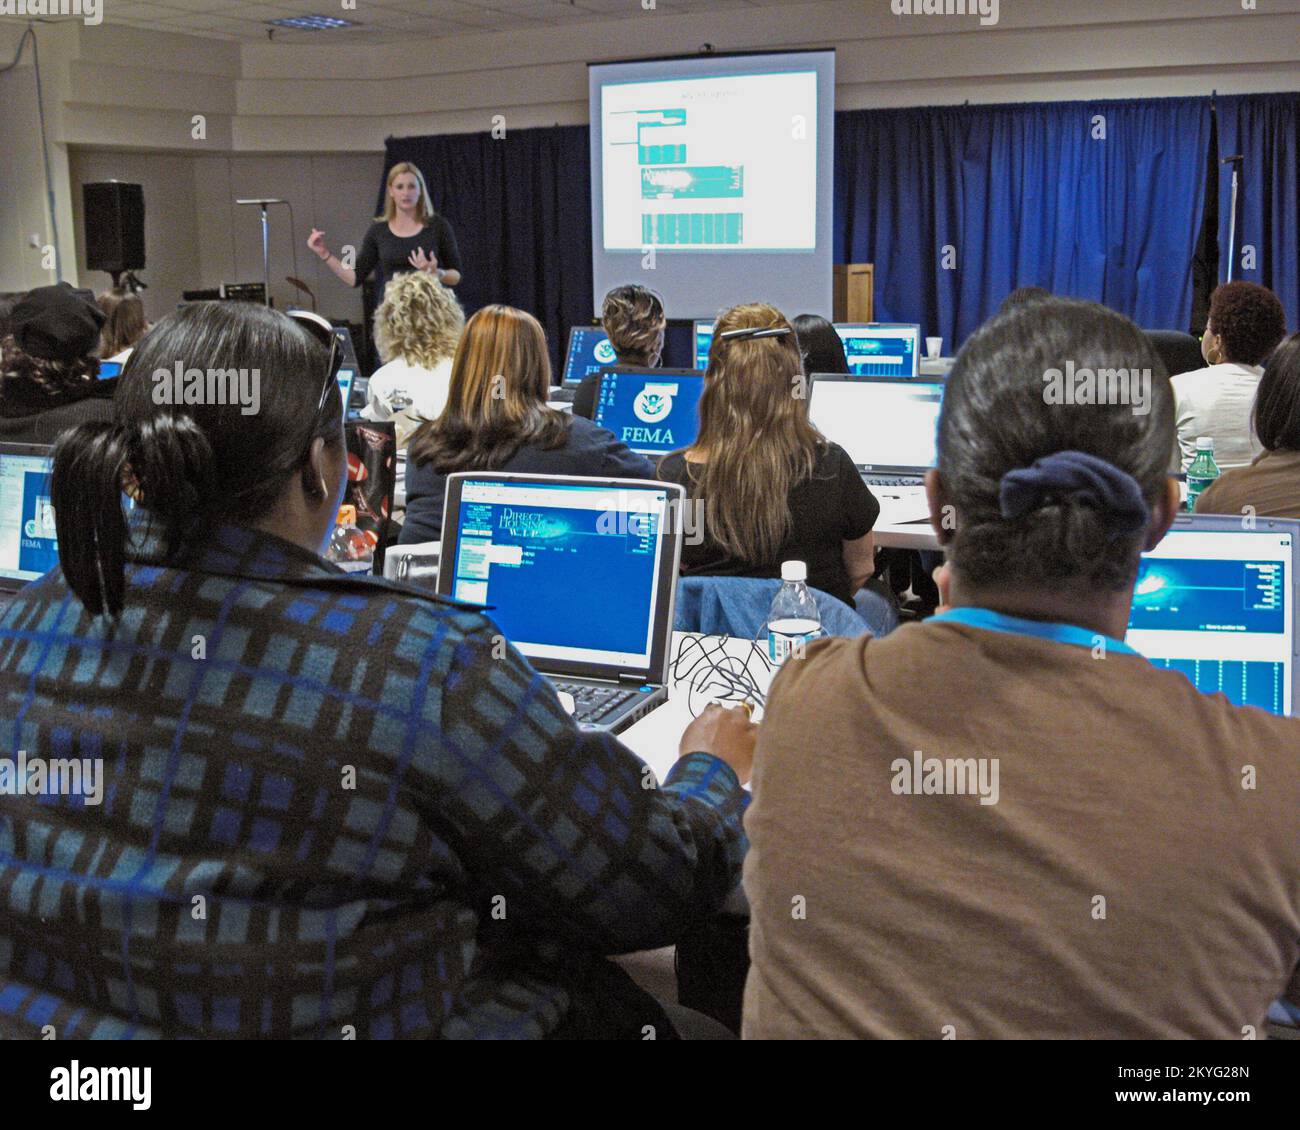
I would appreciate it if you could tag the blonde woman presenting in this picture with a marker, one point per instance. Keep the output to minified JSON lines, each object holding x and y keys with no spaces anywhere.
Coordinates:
{"x":409,"y":236}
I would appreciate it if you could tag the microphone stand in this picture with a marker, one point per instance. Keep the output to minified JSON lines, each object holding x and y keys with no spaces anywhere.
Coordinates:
{"x":1235,"y":161}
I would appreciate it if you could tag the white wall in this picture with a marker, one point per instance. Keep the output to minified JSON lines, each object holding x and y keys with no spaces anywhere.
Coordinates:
{"x":309,"y":122}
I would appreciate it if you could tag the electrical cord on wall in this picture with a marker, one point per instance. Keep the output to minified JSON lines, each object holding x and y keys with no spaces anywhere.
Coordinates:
{"x":30,"y":32}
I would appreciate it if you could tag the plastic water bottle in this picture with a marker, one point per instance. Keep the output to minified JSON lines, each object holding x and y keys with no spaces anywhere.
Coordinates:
{"x":1203,"y":471}
{"x":793,"y":620}
{"x":349,"y":548}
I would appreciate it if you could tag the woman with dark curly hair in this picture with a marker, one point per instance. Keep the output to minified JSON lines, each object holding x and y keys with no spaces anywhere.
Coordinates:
{"x":1270,"y":486}
{"x":49,"y":366}
{"x":1246,"y":323}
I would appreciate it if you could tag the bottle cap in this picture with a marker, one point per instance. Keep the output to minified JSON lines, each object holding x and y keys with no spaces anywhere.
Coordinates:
{"x":1204,"y":443}
{"x":794,"y":571}
{"x":347,"y":515}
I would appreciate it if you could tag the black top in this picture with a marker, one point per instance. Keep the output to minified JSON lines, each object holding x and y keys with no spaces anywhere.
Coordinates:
{"x":584,"y":399}
{"x":588,"y":451}
{"x":29,"y":414}
{"x":832,"y":507}
{"x":387,"y":254}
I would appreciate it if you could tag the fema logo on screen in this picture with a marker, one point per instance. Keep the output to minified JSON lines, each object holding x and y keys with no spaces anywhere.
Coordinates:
{"x":41,"y":524}
{"x":604,"y":352}
{"x":654,"y":402}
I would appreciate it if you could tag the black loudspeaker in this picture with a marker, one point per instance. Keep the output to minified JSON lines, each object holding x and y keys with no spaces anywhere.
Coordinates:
{"x":114,"y":226}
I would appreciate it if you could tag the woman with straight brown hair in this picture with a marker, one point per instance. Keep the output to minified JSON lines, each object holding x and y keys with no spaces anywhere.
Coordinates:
{"x":496,"y":419}
{"x":774,"y":489}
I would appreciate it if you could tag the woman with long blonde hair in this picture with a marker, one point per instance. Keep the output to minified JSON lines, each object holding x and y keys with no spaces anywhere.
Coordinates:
{"x":773,"y":488}
{"x":408,"y":236}
{"x":496,"y":419}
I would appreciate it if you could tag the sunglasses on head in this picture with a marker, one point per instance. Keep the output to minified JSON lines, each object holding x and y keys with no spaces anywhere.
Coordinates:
{"x":320,"y":329}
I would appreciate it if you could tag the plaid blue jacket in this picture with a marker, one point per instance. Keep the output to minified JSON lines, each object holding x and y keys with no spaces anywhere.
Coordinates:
{"x":332,"y":807}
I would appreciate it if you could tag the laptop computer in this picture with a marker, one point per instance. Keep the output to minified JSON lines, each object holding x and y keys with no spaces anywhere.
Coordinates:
{"x":589,"y":352}
{"x":28,"y":548}
{"x":109,"y":369}
{"x":1218,"y":603}
{"x":888,"y":425}
{"x":526,"y":545}
{"x":347,"y":377}
{"x":703,"y":341}
{"x":881,"y":349}
{"x":653,"y":411}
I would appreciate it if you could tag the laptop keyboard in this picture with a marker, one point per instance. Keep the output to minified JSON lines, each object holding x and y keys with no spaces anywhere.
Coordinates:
{"x":562,"y":395}
{"x":594,"y":703}
{"x":891,"y":480}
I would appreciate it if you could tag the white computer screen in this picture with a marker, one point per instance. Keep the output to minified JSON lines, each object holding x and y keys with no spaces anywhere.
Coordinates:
{"x":711,"y":171}
{"x":1217,"y":605}
{"x":28,"y":548}
{"x":883,"y":425}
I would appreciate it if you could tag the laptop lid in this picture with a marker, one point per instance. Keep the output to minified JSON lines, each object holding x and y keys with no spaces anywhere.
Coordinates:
{"x":703,"y":341}
{"x":530,"y":546}
{"x":589,"y":352}
{"x":1218,"y":603}
{"x":653,"y":411}
{"x":28,"y":549}
{"x":881,"y":349}
{"x":888,"y":425}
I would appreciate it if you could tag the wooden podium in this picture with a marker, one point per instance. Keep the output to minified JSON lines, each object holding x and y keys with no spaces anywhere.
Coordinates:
{"x":853,"y":292}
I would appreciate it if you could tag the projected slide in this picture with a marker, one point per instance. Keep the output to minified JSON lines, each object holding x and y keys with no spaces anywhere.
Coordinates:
{"x":724,"y":162}
{"x":535,"y":564}
{"x":27,"y":543}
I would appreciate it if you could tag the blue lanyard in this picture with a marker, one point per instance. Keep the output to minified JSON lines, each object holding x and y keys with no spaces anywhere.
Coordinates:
{"x":992,"y":621}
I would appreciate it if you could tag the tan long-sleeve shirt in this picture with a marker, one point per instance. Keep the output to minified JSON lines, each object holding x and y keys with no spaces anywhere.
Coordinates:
{"x":1137,"y":874}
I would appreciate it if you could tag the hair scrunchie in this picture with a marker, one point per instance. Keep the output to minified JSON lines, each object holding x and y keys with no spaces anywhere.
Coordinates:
{"x":1077,"y":475}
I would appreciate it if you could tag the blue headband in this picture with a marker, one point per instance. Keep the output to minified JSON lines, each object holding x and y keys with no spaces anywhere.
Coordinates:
{"x":1078,"y":475}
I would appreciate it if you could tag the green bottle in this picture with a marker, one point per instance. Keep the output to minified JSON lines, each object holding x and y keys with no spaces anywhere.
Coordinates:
{"x":1203,"y":471}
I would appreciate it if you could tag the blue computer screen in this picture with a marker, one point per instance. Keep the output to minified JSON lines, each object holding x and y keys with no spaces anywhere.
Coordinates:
{"x":346,"y":377}
{"x":880,"y":350}
{"x":1217,"y":606}
{"x":703,"y":340}
{"x":531,"y":551}
{"x":652,"y":413}
{"x":109,"y":369}
{"x":589,"y":352}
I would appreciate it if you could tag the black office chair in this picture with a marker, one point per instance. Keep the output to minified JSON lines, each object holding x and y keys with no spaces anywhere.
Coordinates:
{"x":1180,"y":352}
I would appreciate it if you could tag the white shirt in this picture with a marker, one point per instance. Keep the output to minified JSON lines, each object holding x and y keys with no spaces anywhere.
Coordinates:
{"x":120,"y":356}
{"x":408,"y":394}
{"x":1218,"y":402}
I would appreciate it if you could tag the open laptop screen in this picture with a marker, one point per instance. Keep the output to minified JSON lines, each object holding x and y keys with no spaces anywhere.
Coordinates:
{"x":1216,"y":602}
{"x":531,"y":549}
{"x":653,"y":411}
{"x":703,"y":341}
{"x":884,"y":425}
{"x":875,"y":349}
{"x":28,"y":548}
{"x":589,"y":352}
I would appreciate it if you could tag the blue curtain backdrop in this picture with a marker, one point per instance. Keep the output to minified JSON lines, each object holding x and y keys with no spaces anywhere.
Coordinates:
{"x":1265,"y":129}
{"x":1023,"y":195}
{"x":521,"y":209}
